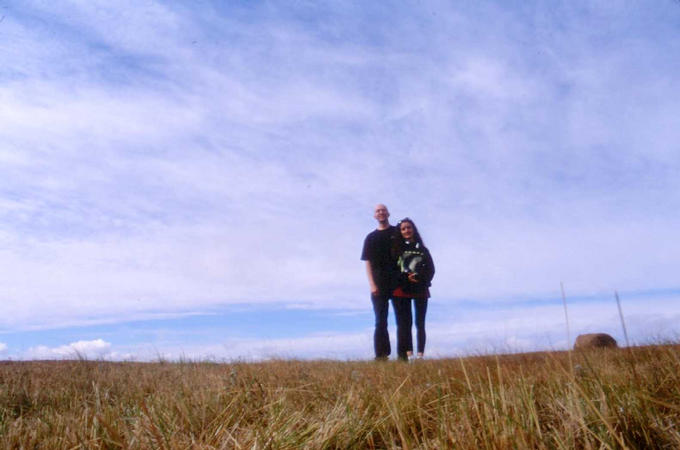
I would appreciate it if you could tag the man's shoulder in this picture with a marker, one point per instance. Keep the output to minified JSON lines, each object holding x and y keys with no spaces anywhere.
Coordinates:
{"x":372,"y":234}
{"x":378,"y":232}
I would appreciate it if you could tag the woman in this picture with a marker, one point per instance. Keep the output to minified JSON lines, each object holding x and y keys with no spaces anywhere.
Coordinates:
{"x":416,"y":270}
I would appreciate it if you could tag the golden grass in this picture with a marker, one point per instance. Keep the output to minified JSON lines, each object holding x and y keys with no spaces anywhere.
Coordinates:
{"x":611,"y":399}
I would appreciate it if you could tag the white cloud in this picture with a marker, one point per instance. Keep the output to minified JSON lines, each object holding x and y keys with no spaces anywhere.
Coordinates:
{"x":489,"y":78}
{"x":93,"y":349}
{"x":3,"y":347}
{"x":332,"y":346}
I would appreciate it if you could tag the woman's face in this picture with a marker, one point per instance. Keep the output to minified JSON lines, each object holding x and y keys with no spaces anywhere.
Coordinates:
{"x":406,"y":230}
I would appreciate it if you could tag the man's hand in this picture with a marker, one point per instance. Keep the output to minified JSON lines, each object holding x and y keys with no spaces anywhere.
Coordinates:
{"x":371,"y":282}
{"x":412,"y":277}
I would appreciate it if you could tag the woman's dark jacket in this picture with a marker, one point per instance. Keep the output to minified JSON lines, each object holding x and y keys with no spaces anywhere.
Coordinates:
{"x":413,"y":258}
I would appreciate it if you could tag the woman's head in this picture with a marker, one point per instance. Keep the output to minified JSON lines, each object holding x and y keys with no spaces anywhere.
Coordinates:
{"x":408,"y":231}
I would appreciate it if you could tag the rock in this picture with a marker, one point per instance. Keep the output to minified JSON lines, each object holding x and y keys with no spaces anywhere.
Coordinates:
{"x":594,"y":340}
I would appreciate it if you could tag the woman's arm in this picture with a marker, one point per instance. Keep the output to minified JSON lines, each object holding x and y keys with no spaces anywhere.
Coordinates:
{"x":430,"y":267}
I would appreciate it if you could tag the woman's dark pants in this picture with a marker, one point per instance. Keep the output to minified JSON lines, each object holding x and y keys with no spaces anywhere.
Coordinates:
{"x":404,"y":319}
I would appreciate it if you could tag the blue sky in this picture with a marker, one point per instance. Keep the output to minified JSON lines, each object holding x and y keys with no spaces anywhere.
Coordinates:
{"x":196,"y":178}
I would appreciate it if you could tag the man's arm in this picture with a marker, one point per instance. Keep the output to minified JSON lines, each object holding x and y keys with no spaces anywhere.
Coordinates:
{"x":371,"y":281}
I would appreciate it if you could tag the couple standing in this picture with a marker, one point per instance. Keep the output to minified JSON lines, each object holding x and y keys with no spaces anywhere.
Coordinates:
{"x":399,"y":267}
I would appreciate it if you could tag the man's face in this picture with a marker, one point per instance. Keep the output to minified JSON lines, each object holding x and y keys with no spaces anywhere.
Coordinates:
{"x":381,"y":213}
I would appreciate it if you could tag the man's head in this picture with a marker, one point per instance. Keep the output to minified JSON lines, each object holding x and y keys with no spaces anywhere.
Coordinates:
{"x":381,"y":214}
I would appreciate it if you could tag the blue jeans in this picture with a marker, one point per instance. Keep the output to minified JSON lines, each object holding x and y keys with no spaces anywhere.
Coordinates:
{"x":404,"y":319}
{"x":381,"y":337}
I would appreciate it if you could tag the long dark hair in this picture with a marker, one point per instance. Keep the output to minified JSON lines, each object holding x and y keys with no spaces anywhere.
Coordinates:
{"x":398,"y":241}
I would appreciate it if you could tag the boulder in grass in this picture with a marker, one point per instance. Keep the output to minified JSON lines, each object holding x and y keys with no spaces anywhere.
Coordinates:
{"x":594,"y":340}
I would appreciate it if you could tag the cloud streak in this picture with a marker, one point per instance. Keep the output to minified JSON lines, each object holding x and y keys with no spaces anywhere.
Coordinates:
{"x":452,"y":330}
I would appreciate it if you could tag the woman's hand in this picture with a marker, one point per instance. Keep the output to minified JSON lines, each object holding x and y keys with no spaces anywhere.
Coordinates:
{"x":412,"y":277}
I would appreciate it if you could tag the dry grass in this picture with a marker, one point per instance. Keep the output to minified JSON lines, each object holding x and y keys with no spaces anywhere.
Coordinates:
{"x":612,"y":399}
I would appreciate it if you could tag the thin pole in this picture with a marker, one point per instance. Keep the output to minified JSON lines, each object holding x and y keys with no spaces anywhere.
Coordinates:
{"x":566,"y":315}
{"x":630,"y":350}
{"x":623,"y":322}
{"x":566,"y":318}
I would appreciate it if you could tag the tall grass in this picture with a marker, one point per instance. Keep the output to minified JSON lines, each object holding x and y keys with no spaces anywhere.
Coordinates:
{"x":611,"y":399}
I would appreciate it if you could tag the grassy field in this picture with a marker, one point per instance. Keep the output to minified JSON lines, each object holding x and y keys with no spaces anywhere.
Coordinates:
{"x":596,"y":399}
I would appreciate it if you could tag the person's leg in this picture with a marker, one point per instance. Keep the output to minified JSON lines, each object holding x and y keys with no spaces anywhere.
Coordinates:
{"x":421,"y":310}
{"x":404,"y":319}
{"x":381,"y":337}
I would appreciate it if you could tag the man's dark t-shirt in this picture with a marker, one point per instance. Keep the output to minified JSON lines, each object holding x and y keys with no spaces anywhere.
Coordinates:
{"x":377,"y":247}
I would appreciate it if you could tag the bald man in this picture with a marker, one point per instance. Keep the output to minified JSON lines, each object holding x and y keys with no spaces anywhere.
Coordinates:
{"x":380,"y":270}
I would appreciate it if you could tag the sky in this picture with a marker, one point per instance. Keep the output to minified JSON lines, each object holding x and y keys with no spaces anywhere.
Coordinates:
{"x":195,"y":179}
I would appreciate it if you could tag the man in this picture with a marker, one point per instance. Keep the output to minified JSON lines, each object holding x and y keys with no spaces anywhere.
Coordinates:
{"x":380,"y":271}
